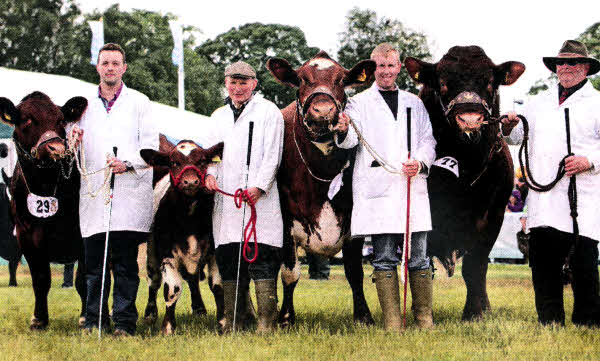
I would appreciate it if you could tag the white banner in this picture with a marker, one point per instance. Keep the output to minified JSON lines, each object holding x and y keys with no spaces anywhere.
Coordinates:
{"x":97,"y":39}
{"x":177,"y":55}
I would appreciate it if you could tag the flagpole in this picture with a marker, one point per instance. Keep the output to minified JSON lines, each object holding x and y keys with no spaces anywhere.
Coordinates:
{"x":181,"y":92}
{"x":177,"y":58}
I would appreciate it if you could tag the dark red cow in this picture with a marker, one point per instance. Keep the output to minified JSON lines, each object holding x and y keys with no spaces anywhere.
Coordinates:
{"x":181,"y":243}
{"x":316,"y":207}
{"x":45,"y":190}
{"x":470,"y":183}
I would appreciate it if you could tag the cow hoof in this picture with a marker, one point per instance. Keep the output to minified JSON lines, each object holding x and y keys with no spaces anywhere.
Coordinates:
{"x":12,"y":284}
{"x":199,"y":312}
{"x":472,"y":316}
{"x":37,"y":325}
{"x":168,"y":329}
{"x":81,"y":322}
{"x":365,"y":320}
{"x":287,"y":319}
{"x":151,"y":314}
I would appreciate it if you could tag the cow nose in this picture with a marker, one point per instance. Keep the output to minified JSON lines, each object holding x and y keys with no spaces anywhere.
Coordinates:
{"x":323,"y":109}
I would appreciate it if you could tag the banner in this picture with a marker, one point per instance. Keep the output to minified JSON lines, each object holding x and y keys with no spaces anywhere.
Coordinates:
{"x":177,"y":55}
{"x":97,"y":39}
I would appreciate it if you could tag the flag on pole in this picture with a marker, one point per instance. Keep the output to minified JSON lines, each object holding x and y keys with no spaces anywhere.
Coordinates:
{"x":177,"y":55}
{"x":97,"y":39}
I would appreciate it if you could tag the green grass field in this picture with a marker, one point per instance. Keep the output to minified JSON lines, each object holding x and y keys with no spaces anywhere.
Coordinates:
{"x":324,"y":328}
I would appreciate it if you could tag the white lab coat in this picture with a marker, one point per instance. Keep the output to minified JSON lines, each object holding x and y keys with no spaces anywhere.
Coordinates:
{"x":267,"y":146}
{"x":380,"y":197}
{"x":548,"y":145}
{"x":129,"y":126}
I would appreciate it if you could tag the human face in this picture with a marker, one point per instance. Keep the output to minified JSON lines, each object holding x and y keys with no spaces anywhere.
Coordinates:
{"x":240,"y":89}
{"x":111,"y":67}
{"x":571,"y":75}
{"x":387,"y":70}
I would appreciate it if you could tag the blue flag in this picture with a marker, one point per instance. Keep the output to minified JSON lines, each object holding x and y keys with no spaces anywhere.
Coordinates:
{"x":177,"y":55}
{"x":97,"y":39}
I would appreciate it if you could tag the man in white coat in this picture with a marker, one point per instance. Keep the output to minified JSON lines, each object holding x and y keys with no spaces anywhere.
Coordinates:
{"x":549,"y":213}
{"x":380,"y":198}
{"x":243,"y":111}
{"x":116,"y":117}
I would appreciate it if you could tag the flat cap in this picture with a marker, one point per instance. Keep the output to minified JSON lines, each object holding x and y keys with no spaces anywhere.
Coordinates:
{"x":240,"y":69}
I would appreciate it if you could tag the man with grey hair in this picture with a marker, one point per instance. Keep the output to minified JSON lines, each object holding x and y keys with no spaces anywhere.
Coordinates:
{"x":380,"y":198}
{"x":251,"y":128}
{"x":555,"y":235}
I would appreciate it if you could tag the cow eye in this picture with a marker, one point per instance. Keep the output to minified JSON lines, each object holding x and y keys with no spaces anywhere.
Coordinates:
{"x":175,"y":163}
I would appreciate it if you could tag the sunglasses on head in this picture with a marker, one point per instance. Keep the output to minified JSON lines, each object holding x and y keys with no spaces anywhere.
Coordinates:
{"x":569,"y":62}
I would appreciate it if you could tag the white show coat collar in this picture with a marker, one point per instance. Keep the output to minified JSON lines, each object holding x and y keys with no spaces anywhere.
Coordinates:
{"x":586,"y":91}
{"x":256,"y":98}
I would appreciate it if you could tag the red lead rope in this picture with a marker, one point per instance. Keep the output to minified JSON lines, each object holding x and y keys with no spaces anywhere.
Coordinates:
{"x":250,"y":230}
{"x":406,"y":245}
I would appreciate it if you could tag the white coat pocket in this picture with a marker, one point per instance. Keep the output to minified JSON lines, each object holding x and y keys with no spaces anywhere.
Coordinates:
{"x":376,"y":182}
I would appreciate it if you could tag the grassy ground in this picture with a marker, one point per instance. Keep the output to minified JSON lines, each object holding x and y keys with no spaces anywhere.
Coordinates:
{"x":324,"y":328}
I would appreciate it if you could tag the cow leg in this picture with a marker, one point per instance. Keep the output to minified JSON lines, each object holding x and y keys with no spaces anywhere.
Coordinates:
{"x":289,"y":278}
{"x":40,"y":278}
{"x":474,"y":271}
{"x":215,"y":282}
{"x":198,"y":308}
{"x":352,"y":256}
{"x":154,"y":282}
{"x":81,"y":287}
{"x":172,"y":292}
{"x":12,"y":270}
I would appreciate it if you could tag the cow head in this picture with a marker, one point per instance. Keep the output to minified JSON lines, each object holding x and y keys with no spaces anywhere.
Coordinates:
{"x":40,"y":125}
{"x":466,"y":81}
{"x":321,"y":82}
{"x":187,"y":163}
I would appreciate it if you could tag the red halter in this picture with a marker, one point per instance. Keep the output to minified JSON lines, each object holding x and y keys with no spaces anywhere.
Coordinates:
{"x":176,"y":180}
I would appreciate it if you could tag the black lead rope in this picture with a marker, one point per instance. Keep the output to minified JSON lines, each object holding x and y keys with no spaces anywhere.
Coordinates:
{"x":572,"y":190}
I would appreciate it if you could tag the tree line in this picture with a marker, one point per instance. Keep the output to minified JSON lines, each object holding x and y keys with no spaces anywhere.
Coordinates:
{"x":52,"y":36}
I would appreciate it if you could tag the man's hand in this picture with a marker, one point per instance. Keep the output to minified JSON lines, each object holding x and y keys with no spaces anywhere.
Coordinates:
{"x":74,"y":137}
{"x":576,"y":164}
{"x":211,"y":183}
{"x":509,"y":122}
{"x":411,"y":167}
{"x":342,"y":124}
{"x":254,"y":193}
{"x":116,"y":165}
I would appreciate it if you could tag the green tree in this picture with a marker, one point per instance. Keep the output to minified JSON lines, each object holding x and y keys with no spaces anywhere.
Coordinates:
{"x":364,"y":31}
{"x":255,"y":43}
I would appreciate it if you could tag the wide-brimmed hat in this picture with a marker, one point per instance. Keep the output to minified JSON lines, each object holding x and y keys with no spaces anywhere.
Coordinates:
{"x":240,"y":69}
{"x":573,"y":49}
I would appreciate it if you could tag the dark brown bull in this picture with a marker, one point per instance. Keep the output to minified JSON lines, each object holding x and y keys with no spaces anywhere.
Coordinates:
{"x":182,"y":243}
{"x":470,"y":184}
{"x":310,"y":162}
{"x":45,"y":169}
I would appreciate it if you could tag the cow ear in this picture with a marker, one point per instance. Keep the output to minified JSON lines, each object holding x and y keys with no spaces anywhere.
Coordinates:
{"x":421,"y":71}
{"x":9,"y":113}
{"x":215,"y":153}
{"x":74,"y":108}
{"x":508,"y":73}
{"x":283,"y":72}
{"x":155,"y":158}
{"x":360,"y":74}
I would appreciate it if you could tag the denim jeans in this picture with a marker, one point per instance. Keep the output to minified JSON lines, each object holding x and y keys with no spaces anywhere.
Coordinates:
{"x":122,"y":260}
{"x":386,"y":254}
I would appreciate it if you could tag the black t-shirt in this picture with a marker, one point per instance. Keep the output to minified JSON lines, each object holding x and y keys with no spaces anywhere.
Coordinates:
{"x":391,"y":98}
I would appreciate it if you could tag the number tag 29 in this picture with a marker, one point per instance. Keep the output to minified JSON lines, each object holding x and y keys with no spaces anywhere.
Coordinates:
{"x":449,"y":163}
{"x":41,"y":207}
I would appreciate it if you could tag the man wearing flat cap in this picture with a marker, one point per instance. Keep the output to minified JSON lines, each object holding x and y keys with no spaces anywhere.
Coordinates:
{"x":247,"y":119}
{"x":557,"y":238}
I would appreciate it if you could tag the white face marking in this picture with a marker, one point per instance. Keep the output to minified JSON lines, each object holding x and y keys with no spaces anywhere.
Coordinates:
{"x":321,"y":63}
{"x":186,"y":148}
{"x":328,"y":227}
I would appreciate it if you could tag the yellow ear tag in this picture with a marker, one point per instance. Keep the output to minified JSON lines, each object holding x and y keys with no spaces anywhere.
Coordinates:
{"x":506,"y":79}
{"x":362,"y":77}
{"x":7,"y":117}
{"x":417,"y":76}
{"x":216,"y":159}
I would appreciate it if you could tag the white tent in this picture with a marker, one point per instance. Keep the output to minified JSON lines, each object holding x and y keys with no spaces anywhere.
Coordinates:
{"x":171,"y":121}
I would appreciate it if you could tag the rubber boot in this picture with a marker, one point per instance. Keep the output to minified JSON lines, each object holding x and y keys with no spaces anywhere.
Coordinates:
{"x":226,"y":325}
{"x":266,"y":303}
{"x":421,"y":289}
{"x":388,"y":292}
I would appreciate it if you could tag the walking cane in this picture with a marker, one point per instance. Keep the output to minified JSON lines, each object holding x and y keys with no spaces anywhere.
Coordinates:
{"x":237,"y":280}
{"x":110,"y":199}
{"x":407,"y":237}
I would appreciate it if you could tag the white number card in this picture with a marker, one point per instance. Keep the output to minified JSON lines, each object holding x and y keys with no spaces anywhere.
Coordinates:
{"x":449,"y":163}
{"x":42,"y":207}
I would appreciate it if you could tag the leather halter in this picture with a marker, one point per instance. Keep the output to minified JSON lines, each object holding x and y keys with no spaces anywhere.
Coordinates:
{"x":177,"y":179}
{"x":302,"y":108}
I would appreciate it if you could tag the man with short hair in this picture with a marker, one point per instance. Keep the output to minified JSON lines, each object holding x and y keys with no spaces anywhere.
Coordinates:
{"x":233,"y":122}
{"x":380,"y":198}
{"x":120,"y":117}
{"x":552,"y":229}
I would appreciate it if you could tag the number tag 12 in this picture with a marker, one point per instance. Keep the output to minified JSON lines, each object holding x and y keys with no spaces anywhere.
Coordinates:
{"x":41,"y":207}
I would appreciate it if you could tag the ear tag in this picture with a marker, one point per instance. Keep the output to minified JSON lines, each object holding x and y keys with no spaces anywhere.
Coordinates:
{"x":362,"y":77}
{"x":506,"y":78}
{"x":7,"y":116}
{"x":417,"y":76}
{"x":216,"y":159}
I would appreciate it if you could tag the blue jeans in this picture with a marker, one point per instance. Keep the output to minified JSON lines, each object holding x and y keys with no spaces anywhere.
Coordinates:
{"x":122,"y":260}
{"x":386,"y":255}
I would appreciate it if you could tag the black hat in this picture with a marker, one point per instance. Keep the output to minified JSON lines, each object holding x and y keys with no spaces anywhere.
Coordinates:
{"x":573,"y":49}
